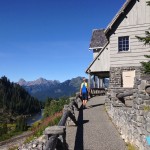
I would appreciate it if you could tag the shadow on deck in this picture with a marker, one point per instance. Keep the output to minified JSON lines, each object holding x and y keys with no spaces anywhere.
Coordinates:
{"x":79,"y":139}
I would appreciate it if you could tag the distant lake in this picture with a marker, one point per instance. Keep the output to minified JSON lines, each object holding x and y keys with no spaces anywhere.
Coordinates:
{"x":35,"y":117}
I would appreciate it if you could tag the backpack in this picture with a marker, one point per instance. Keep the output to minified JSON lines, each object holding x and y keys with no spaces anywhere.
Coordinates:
{"x":84,"y":88}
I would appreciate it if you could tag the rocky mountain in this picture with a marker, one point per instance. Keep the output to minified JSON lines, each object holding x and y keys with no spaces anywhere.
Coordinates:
{"x":42,"y":88}
{"x":40,"y":81}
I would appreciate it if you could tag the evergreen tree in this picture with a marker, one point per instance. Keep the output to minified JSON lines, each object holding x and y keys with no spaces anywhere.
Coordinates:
{"x":15,"y":101}
{"x":21,"y":124}
{"x":1,"y":131}
{"x":146,"y":40}
{"x":5,"y":129}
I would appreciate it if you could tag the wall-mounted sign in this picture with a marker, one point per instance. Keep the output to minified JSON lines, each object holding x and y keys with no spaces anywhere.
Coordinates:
{"x":128,"y":78}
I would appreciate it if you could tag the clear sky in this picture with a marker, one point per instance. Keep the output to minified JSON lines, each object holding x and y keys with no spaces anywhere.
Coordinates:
{"x":50,"y":38}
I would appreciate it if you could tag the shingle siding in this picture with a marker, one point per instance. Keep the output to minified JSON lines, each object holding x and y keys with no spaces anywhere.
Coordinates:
{"x":98,"y":39}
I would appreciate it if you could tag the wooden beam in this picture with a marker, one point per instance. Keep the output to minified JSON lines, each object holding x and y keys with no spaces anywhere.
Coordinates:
{"x":122,"y":95}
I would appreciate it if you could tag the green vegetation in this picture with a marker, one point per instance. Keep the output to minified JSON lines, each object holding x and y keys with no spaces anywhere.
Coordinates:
{"x":9,"y":130}
{"x":146,"y":108}
{"x":39,"y":128}
{"x":21,"y":124}
{"x":53,"y":106}
{"x":14,"y":148}
{"x":15,"y":100}
{"x":52,"y":116}
{"x":146,"y":40}
{"x":131,"y":147}
{"x":9,"y":135}
{"x":15,"y":105}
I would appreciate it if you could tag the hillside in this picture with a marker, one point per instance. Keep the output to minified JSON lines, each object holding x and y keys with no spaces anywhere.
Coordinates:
{"x":14,"y":100}
{"x":42,"y":88}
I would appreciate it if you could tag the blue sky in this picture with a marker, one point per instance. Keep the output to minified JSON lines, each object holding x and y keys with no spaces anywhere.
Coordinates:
{"x":50,"y":38}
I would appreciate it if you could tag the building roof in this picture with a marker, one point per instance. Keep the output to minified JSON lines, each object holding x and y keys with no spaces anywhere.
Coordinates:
{"x":98,"y":39}
{"x":123,"y":10}
{"x":88,"y":69}
{"x":98,"y":35}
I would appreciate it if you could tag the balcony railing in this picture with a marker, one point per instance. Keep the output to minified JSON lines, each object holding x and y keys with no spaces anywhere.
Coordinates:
{"x":97,"y":91}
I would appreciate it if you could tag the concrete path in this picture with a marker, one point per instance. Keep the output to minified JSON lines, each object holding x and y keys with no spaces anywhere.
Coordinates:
{"x":95,"y":130}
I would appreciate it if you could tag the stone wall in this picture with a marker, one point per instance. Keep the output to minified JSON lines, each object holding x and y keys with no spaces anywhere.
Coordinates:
{"x":132,"y":121}
{"x":116,"y":75}
{"x":37,"y":143}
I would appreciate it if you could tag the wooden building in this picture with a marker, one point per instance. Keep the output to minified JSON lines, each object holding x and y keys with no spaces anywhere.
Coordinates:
{"x":116,"y":50}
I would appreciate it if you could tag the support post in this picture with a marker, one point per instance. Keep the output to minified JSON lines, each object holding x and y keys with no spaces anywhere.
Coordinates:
{"x":101,"y":83}
{"x":56,"y":135}
{"x":73,"y":102}
{"x":89,"y":81}
{"x":94,"y":82}
{"x":53,"y":132}
{"x":122,"y":95}
{"x":98,"y":83}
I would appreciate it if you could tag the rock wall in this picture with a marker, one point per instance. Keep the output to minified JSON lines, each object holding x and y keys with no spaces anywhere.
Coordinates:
{"x":132,"y":120}
{"x":37,"y":143}
{"x":116,"y":75}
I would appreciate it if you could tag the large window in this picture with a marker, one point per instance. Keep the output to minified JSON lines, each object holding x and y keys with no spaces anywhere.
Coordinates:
{"x":123,"y":43}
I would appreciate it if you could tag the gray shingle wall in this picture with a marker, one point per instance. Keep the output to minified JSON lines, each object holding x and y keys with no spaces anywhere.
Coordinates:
{"x":98,"y":39}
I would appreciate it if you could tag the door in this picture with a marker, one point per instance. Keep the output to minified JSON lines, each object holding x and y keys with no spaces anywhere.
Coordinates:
{"x":128,"y":78}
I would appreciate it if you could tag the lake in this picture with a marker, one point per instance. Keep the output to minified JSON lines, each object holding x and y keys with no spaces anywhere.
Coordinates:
{"x":35,"y":117}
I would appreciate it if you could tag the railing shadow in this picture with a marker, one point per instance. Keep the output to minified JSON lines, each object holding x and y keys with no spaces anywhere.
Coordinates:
{"x":79,"y":141}
{"x":96,"y":105}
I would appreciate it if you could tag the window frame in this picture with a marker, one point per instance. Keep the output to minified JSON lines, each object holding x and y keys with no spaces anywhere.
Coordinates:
{"x":124,"y":51}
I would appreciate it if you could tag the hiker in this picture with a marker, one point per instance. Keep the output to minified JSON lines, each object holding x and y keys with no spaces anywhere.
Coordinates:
{"x":84,"y":92}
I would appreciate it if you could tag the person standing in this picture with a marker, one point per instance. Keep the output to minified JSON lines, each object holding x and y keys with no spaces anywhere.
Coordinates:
{"x":84,"y":92}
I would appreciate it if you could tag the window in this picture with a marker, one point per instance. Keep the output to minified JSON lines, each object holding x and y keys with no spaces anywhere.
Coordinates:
{"x":123,"y":43}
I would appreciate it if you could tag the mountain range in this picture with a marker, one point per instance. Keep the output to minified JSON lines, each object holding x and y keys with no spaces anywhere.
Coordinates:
{"x":42,"y":88}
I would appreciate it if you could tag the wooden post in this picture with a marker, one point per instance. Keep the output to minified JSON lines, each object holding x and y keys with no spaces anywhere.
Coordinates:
{"x":94,"y":82}
{"x":53,"y":142}
{"x":122,"y":95}
{"x":89,"y":81}
{"x":70,"y":114}
{"x":73,"y":102}
{"x":52,"y":133}
{"x":98,"y":83}
{"x":101,"y":83}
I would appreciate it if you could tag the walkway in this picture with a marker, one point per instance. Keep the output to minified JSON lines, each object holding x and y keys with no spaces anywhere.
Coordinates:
{"x":95,"y":130}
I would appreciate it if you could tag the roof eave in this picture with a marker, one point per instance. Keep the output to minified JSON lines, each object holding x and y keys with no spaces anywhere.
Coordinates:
{"x":121,"y":11}
{"x":91,"y":48}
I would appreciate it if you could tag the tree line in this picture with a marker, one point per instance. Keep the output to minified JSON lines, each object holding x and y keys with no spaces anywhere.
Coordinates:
{"x":15,"y":100}
{"x":146,"y":40}
{"x":15,"y":105}
{"x":52,"y":106}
